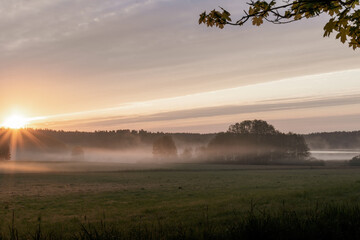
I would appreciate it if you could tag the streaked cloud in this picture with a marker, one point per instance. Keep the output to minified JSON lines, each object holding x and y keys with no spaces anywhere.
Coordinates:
{"x":229,"y":110}
{"x":304,"y":93}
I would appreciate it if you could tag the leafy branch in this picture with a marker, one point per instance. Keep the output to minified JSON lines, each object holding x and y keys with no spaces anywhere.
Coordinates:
{"x":345,"y":16}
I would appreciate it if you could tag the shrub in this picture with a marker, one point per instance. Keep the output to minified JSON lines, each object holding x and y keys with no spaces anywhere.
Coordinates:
{"x":355,"y":161}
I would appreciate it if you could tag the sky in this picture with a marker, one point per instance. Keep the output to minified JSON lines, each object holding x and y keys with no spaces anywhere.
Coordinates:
{"x":146,"y":64}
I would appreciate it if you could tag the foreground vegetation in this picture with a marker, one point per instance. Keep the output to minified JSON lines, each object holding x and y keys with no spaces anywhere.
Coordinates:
{"x":327,"y":222}
{"x":179,"y":202}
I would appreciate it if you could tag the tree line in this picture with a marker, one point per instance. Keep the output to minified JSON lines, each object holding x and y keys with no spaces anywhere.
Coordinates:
{"x":333,"y":140}
{"x":40,"y":141}
{"x":119,"y":139}
{"x":248,"y":142}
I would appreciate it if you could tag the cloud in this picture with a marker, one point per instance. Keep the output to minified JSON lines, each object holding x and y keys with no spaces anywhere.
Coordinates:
{"x":219,"y":111}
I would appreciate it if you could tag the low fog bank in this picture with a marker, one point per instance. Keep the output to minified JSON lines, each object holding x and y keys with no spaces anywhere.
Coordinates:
{"x":138,"y":155}
{"x":12,"y":167}
{"x":122,"y":146}
{"x":87,"y":155}
{"x":78,"y":159}
{"x":251,"y":142}
{"x":334,"y":155}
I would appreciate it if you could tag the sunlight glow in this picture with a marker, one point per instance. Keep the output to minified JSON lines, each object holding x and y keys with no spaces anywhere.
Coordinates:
{"x":15,"y":122}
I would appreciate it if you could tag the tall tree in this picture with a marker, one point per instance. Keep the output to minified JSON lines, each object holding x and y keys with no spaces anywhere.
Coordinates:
{"x":344,"y":16}
{"x":5,"y":151}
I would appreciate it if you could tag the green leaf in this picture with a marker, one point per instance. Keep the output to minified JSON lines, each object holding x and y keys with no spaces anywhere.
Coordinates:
{"x":257,"y":21}
{"x":251,"y":11}
{"x":329,"y":27}
{"x":297,"y":16}
{"x":342,"y":35}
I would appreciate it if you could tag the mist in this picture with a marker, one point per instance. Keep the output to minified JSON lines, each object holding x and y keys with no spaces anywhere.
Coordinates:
{"x":93,"y":160}
{"x":331,"y":155}
{"x":89,"y":155}
{"x":58,"y":151}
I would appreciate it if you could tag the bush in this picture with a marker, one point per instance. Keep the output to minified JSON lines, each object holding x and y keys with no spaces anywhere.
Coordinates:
{"x":355,"y":161}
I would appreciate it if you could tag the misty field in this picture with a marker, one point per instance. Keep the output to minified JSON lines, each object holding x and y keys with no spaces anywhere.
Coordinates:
{"x":67,"y":200}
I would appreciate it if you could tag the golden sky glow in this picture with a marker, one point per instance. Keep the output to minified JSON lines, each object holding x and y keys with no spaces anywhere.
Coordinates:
{"x":118,"y":64}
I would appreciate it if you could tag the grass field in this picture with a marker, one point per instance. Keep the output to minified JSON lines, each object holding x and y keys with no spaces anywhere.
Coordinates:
{"x":65,"y":197}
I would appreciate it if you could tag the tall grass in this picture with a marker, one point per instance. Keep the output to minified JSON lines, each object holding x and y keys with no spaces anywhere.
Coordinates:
{"x":332,"y":221}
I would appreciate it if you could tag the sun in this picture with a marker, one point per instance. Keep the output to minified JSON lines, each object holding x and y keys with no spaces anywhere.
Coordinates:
{"x":15,"y":122}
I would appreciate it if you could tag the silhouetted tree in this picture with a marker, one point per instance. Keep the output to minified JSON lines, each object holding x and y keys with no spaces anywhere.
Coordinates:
{"x":5,"y":151}
{"x":355,"y":161}
{"x":345,"y":16}
{"x":164,"y":147}
{"x":297,"y":147}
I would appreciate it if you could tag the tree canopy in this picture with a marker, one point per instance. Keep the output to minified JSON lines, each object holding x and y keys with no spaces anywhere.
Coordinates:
{"x":344,"y":16}
{"x":252,"y":127}
{"x":257,"y":142}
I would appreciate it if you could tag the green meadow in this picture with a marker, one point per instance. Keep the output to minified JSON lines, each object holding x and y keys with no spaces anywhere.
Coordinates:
{"x":165,"y":201}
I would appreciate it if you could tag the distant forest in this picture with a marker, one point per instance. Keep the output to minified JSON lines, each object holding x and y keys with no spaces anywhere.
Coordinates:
{"x":127,"y":139}
{"x":187,"y":144}
{"x":333,"y":140}
{"x":121,"y":139}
